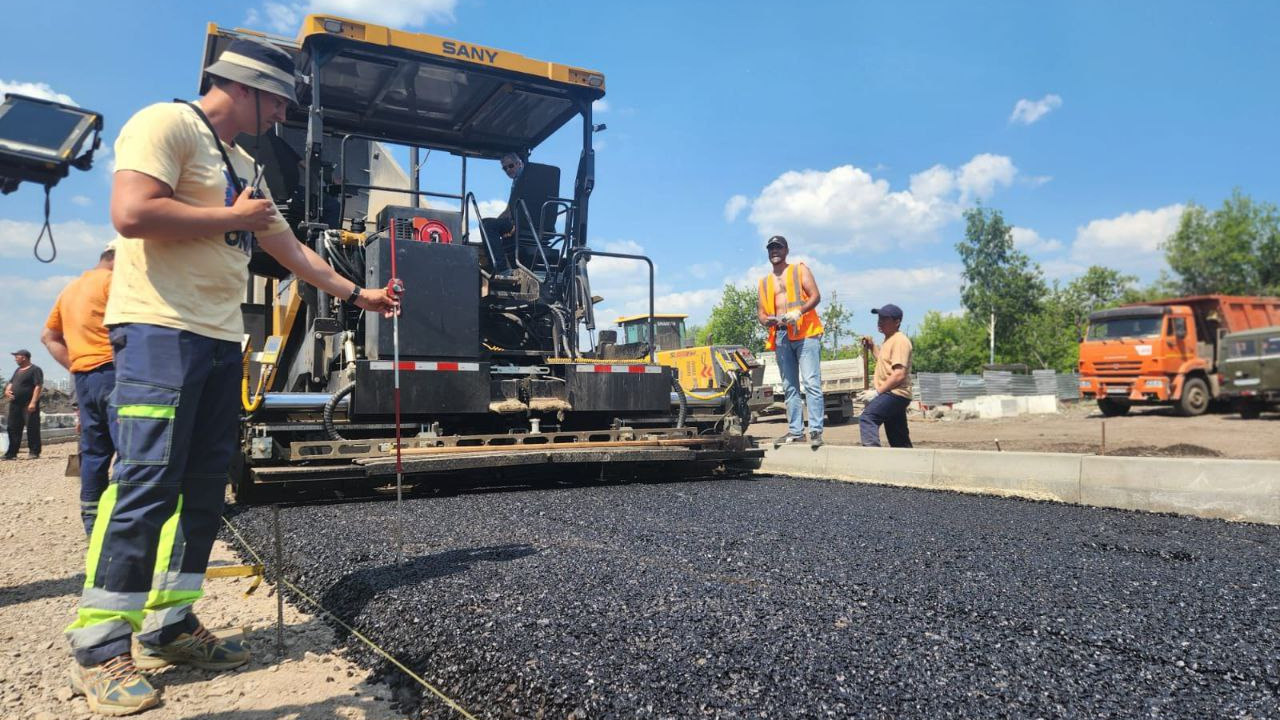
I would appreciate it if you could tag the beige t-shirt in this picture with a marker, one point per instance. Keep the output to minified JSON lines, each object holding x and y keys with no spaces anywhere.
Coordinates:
{"x":194,"y":284}
{"x":896,"y":350}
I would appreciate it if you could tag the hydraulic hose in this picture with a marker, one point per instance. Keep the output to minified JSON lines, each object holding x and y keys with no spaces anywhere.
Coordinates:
{"x":327,"y":413}
{"x":684,"y":402}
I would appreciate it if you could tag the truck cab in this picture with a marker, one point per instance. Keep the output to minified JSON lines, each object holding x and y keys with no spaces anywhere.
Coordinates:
{"x":1250,"y":370}
{"x":1164,"y":352}
{"x":1148,"y":354}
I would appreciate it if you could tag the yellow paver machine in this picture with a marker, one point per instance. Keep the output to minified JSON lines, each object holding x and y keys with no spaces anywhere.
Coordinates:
{"x":496,"y":364}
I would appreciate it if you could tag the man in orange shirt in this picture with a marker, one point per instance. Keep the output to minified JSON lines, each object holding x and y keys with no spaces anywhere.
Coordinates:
{"x":77,"y":339}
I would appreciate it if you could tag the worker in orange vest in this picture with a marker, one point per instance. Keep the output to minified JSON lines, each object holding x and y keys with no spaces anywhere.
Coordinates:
{"x":787,"y":306}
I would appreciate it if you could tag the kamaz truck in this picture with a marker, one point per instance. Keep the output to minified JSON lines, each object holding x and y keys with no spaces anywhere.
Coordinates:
{"x":1165,"y":352}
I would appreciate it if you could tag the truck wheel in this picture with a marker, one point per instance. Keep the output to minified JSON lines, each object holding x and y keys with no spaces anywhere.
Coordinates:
{"x":1113,"y":408}
{"x":1195,"y":397}
{"x":1250,"y":411}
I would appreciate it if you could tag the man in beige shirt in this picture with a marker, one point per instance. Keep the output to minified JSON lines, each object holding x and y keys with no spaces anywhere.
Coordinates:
{"x":184,"y":203}
{"x":891,"y":393}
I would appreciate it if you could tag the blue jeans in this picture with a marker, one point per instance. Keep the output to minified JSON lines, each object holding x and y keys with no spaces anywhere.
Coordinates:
{"x":799,"y":361}
{"x":97,"y":422}
{"x":177,"y":403}
{"x":891,"y":411}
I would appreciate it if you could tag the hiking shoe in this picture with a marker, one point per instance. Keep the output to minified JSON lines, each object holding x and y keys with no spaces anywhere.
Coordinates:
{"x":200,"y":649}
{"x":787,"y":440}
{"x":114,"y":688}
{"x":815,"y":440}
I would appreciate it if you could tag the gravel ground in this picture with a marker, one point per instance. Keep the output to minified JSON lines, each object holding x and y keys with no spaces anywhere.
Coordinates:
{"x":786,"y":598}
{"x":41,"y":572}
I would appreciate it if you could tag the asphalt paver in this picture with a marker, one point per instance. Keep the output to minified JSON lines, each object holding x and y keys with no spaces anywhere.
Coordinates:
{"x":787,"y":598}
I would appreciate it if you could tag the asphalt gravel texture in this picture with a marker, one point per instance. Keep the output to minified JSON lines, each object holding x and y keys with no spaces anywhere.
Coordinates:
{"x":787,"y":598}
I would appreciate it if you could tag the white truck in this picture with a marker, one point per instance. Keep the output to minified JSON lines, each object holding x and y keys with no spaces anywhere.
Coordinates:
{"x":842,"y":380}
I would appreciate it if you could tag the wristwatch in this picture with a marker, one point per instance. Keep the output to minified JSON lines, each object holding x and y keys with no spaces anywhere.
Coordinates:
{"x":355,"y":295}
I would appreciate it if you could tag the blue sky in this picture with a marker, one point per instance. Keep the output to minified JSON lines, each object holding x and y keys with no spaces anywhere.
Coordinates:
{"x":859,"y":130}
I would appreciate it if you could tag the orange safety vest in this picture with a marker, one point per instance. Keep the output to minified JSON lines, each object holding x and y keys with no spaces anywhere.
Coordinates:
{"x":809,"y":325}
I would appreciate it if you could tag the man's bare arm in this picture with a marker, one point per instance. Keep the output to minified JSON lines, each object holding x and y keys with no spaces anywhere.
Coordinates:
{"x":303,"y":262}
{"x":144,"y":207}
{"x":56,"y":344}
{"x":810,"y":288}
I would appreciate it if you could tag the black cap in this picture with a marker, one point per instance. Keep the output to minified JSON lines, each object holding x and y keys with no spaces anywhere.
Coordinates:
{"x":25,"y":352}
{"x":889,"y":311}
{"x":776,"y":240}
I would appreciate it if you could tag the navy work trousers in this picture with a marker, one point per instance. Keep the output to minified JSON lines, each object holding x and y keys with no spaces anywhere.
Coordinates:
{"x":97,"y":422}
{"x":177,"y":402}
{"x":891,"y":411}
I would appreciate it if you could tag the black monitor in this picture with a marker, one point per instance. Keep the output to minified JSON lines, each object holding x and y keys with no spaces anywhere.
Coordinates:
{"x":41,"y":140}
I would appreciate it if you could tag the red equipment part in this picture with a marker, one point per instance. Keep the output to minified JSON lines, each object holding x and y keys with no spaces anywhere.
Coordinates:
{"x":431,"y":230}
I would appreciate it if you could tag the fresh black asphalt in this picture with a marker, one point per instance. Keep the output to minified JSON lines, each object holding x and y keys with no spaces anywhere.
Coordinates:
{"x":786,"y":598}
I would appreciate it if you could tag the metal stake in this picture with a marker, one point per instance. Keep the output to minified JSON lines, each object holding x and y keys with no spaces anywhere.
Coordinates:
{"x":395,"y":350}
{"x":1103,"y":449}
{"x":279,"y":580}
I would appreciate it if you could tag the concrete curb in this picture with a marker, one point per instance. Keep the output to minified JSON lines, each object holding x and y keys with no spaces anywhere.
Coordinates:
{"x":1241,"y":490}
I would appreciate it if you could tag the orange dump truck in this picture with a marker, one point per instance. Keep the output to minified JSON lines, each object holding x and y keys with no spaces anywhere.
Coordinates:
{"x":1164,"y":352}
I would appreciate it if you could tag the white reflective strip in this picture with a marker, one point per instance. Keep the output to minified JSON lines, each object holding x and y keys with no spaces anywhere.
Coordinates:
{"x":1247,"y":381}
{"x":100,"y":599}
{"x":99,"y":633}
{"x":623,"y":369}
{"x":177,"y":581}
{"x":165,"y":617}
{"x":433,"y":366}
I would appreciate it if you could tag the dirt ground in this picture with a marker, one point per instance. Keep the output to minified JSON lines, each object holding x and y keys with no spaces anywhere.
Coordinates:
{"x":1079,"y":428}
{"x":42,"y":571}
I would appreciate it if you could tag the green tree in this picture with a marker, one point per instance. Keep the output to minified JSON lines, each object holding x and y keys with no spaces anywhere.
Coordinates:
{"x":697,"y":334}
{"x":1097,"y":289}
{"x":733,"y":320}
{"x":948,"y":343}
{"x":1001,"y":288}
{"x":1234,"y":250}
{"x":835,"y":319}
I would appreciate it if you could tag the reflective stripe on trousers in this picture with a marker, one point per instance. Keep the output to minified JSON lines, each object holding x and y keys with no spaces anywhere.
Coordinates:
{"x":177,"y":402}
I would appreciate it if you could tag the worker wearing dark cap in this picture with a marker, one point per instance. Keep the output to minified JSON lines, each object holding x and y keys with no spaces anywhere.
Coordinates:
{"x":184,"y":202}
{"x":890,"y":395}
{"x":23,"y":393}
{"x":787,"y":306}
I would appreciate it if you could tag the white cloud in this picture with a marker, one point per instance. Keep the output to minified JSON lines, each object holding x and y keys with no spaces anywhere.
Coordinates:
{"x":979,"y":177}
{"x":38,"y":90}
{"x":846,"y":209}
{"x":734,"y":207}
{"x":600,"y":106}
{"x":286,"y":18}
{"x":81,"y":200}
{"x":26,"y":308}
{"x":1035,"y":180}
{"x":1027,"y":111}
{"x":1135,"y":237}
{"x":78,"y":243}
{"x":1030,"y":241}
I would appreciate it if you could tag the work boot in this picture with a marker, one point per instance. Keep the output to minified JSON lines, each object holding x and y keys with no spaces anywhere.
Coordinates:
{"x":787,"y":440}
{"x":201,"y":649}
{"x":815,"y":440}
{"x":114,"y":688}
